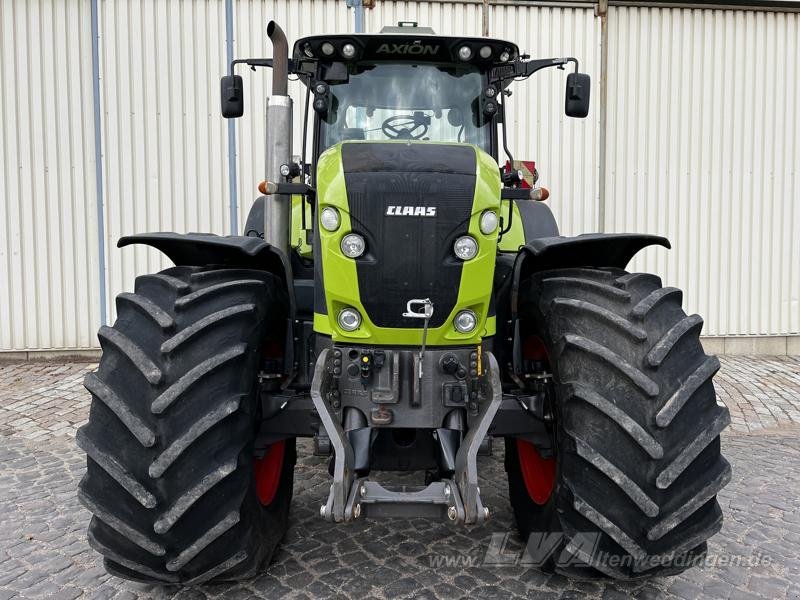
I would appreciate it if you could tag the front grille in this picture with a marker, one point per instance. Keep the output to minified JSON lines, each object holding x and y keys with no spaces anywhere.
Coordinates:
{"x":409,"y":256}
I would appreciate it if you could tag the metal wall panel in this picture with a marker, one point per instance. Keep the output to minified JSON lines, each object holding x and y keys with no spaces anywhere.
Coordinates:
{"x":164,"y":141}
{"x":703,"y":131}
{"x":48,"y":270}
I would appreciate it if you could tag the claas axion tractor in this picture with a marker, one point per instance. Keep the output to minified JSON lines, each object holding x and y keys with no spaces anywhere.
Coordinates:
{"x":400,"y":295}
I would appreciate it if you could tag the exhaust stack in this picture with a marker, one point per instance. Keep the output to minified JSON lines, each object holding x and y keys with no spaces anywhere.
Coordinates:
{"x":277,"y":213}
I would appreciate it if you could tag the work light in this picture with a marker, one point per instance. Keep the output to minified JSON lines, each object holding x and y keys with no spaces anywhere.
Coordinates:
{"x":353,"y":245}
{"x":465,"y":321}
{"x":349,"y":319}
{"x":348,"y":51}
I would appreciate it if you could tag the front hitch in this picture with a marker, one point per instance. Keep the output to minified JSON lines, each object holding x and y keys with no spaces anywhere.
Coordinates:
{"x":456,"y":499}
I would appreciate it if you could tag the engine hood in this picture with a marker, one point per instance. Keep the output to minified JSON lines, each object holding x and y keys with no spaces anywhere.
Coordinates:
{"x":410,"y":201}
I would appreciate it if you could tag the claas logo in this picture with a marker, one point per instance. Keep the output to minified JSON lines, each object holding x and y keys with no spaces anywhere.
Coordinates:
{"x":410,"y":211}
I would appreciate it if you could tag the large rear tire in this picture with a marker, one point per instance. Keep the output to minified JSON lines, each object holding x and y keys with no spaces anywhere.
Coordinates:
{"x":170,"y":439}
{"x":637,"y":427}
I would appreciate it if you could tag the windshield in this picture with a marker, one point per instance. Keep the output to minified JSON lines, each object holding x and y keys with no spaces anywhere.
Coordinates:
{"x":403,"y":101}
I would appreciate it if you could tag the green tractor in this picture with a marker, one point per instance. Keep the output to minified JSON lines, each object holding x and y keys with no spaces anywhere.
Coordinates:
{"x":402,"y":299}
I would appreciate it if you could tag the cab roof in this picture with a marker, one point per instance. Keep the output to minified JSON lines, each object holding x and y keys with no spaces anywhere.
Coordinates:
{"x":416,"y":46}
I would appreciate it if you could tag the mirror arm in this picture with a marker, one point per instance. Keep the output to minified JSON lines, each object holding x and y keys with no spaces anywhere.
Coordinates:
{"x":251,"y":62}
{"x":294,"y":66}
{"x":303,"y":156}
{"x":533,"y":66}
{"x":504,"y":123}
{"x":524,"y":69}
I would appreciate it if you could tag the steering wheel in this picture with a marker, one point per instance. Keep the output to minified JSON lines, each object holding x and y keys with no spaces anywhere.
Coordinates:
{"x":405,"y":127}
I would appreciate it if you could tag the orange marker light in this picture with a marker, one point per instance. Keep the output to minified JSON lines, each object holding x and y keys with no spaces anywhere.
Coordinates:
{"x":267,"y":187}
{"x":540,"y":194}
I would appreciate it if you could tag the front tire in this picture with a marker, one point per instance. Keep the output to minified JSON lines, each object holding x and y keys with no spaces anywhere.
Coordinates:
{"x":638,"y":461}
{"x":170,"y":439}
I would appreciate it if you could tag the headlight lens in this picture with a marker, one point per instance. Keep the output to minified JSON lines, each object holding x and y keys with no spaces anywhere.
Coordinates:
{"x":353,"y":245}
{"x":330,"y":218}
{"x":465,"y":247}
{"x":486,"y":51}
{"x":504,"y":56}
{"x":465,"y":53}
{"x":465,"y":321}
{"x":349,"y":319}
{"x":488,"y":222}
{"x":327,"y":48}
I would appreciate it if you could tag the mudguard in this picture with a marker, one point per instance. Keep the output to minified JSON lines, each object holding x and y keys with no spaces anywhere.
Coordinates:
{"x":537,"y":220}
{"x":198,"y":249}
{"x":588,"y":250}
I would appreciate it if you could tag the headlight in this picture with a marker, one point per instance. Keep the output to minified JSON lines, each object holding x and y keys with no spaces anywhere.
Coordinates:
{"x":486,"y":51}
{"x":465,"y":321}
{"x":488,"y":222}
{"x":329,"y":218}
{"x":349,"y":319}
{"x":327,"y":48}
{"x":504,"y":56}
{"x":348,"y":51}
{"x":465,"y":247}
{"x":465,"y":53}
{"x":353,"y":245}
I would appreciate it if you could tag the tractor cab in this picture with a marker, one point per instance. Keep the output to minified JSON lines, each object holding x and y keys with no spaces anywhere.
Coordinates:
{"x":407,"y":85}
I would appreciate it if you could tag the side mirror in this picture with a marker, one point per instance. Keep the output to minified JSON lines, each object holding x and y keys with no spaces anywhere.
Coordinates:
{"x":232,"y":96}
{"x":579,"y":86}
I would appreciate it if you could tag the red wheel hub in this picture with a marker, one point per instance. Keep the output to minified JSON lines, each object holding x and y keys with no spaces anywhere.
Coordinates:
{"x":267,"y":471}
{"x":539,"y":474}
{"x":533,"y":348}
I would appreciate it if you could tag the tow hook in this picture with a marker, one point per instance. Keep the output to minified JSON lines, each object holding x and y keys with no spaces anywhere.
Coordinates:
{"x":426,"y":313}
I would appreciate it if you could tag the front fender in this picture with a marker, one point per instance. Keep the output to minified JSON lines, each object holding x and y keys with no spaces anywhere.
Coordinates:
{"x":588,"y":250}
{"x":234,"y":251}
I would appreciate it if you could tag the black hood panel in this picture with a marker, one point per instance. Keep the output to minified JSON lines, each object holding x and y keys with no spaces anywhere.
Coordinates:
{"x":392,"y":189}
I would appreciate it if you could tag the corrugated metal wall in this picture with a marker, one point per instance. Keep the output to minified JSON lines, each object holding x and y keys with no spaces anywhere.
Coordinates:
{"x":702,"y":142}
{"x":164,"y":142}
{"x":703,"y":147}
{"x":49,"y":293}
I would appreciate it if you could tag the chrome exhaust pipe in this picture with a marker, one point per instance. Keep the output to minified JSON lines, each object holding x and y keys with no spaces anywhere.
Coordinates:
{"x":277,"y":212}
{"x":280,"y":59}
